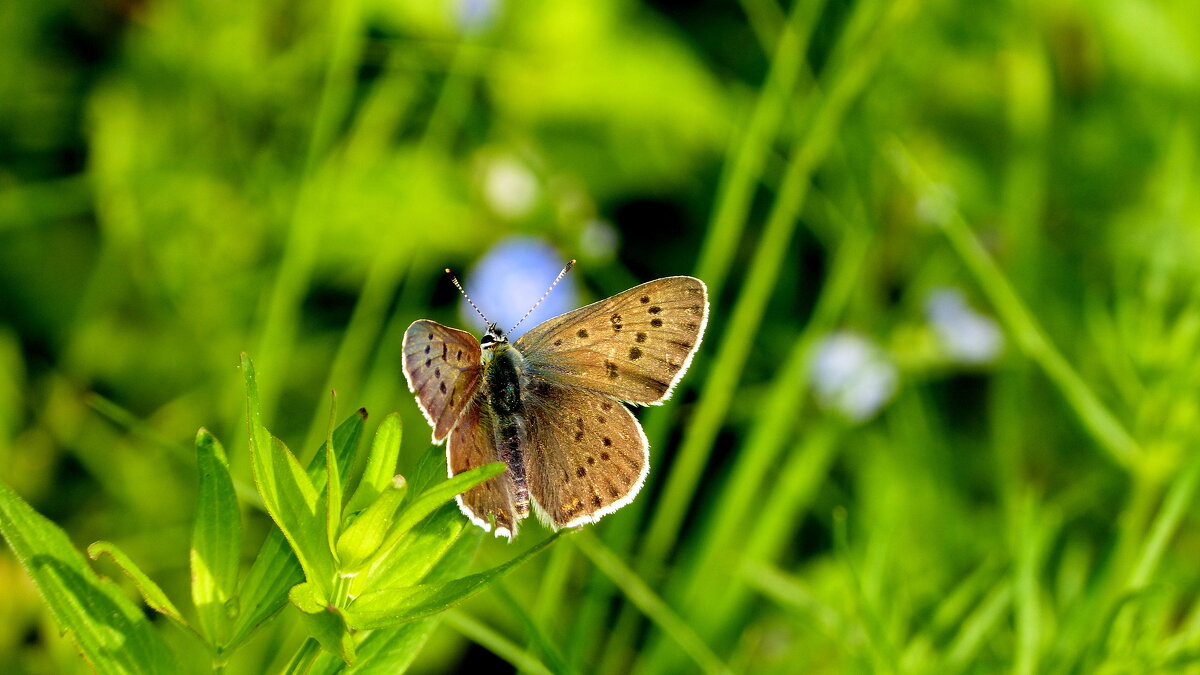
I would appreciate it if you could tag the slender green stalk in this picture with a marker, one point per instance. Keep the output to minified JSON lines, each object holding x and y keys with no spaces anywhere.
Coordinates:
{"x":720,"y":386}
{"x":650,"y":603}
{"x":494,"y":642}
{"x":303,"y":659}
{"x":1103,"y":426}
{"x":301,"y":247}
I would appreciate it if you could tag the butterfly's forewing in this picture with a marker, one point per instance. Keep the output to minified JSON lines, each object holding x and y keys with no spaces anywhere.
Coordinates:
{"x":471,"y":444}
{"x":587,"y":455}
{"x":442,"y":366}
{"x":634,"y":346}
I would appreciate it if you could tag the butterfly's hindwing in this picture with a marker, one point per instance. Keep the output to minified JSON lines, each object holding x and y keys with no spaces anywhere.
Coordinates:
{"x":442,"y":366}
{"x":472,"y":444}
{"x":587,"y":454}
{"x":634,"y":346}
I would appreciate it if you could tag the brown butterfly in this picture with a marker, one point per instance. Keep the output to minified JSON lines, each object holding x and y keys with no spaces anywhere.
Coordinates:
{"x":549,"y":405}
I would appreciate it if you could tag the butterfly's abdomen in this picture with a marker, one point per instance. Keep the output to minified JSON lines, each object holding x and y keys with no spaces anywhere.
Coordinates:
{"x":503,"y":382}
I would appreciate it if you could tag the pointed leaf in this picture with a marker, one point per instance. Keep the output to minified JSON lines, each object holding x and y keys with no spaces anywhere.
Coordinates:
{"x":361,"y":539}
{"x":287,"y":491}
{"x":418,"y":509}
{"x":216,"y":542}
{"x":390,"y":651}
{"x":275,"y":568}
{"x":333,"y":492}
{"x":420,"y":552}
{"x":392,"y":606}
{"x":152,"y":594}
{"x":381,"y":463}
{"x":112,"y":632}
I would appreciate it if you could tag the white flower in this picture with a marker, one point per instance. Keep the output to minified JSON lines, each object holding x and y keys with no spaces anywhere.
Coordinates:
{"x":967,"y":336}
{"x":852,"y":376}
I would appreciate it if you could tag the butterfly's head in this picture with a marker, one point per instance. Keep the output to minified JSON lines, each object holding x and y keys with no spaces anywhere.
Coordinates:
{"x":494,"y":336}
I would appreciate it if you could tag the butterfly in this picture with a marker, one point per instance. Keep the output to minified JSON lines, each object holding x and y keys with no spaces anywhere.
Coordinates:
{"x":549,"y":405}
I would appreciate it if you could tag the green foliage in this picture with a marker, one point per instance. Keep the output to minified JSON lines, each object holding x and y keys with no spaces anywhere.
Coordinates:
{"x":336,"y":598}
{"x":183,"y":181}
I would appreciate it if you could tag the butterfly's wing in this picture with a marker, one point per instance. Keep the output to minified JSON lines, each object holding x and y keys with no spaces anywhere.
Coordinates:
{"x":587,"y":455}
{"x":471,"y":444}
{"x":443,"y":369}
{"x":634,"y":346}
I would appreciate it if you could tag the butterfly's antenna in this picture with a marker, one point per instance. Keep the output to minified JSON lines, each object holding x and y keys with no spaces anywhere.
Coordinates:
{"x":557,"y":279}
{"x":464,"y":292}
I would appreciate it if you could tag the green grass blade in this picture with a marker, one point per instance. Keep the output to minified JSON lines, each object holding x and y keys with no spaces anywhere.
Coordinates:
{"x":1097,"y":419}
{"x":494,"y":642}
{"x":640,"y":594}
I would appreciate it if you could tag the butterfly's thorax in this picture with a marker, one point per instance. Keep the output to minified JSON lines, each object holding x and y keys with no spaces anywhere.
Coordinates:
{"x":504,"y":368}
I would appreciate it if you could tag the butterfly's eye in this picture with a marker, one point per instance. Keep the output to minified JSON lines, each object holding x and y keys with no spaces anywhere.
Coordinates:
{"x":486,"y":340}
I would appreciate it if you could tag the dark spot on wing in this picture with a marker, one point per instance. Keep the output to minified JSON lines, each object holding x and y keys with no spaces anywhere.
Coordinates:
{"x":582,"y":333}
{"x":607,"y":442}
{"x":579,"y":423}
{"x":604,"y":456}
{"x":612,"y":492}
{"x":616,"y":322}
{"x":645,"y":299}
{"x":445,"y":348}
{"x":611,"y":369}
{"x":442,"y":386}
{"x":591,"y":460}
{"x":655,"y":309}
{"x":558,"y":342}
{"x":428,"y":362}
{"x":605,"y":405}
{"x":657,"y":323}
{"x":600,"y":419}
{"x":691,"y":326}
{"x":427,"y":347}
{"x":578,"y":436}
{"x":634,"y":353}
{"x":459,"y":357}
{"x":581,"y":472}
{"x":596,"y":501}
{"x":430,"y":335}
{"x":641,"y":337}
{"x":437,"y":372}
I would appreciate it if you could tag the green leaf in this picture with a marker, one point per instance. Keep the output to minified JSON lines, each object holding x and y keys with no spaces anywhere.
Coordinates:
{"x":275,"y":569}
{"x":419,"y":508}
{"x":216,"y":542}
{"x":112,"y":632}
{"x":287,"y":491}
{"x":322,"y":621}
{"x":361,"y":539}
{"x":389,"y":651}
{"x":381,"y":464}
{"x":421,"y":551}
{"x":333,"y":493}
{"x":151,"y":592}
{"x":392,"y":606}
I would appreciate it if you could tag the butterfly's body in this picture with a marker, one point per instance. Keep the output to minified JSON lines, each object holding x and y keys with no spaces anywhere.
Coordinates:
{"x":503,"y":373}
{"x":549,"y":405}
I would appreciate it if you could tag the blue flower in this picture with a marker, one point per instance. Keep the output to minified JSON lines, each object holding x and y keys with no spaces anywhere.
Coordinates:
{"x":511,"y":277}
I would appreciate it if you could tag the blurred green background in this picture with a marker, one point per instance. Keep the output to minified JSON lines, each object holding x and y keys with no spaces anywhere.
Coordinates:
{"x":945,"y":415}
